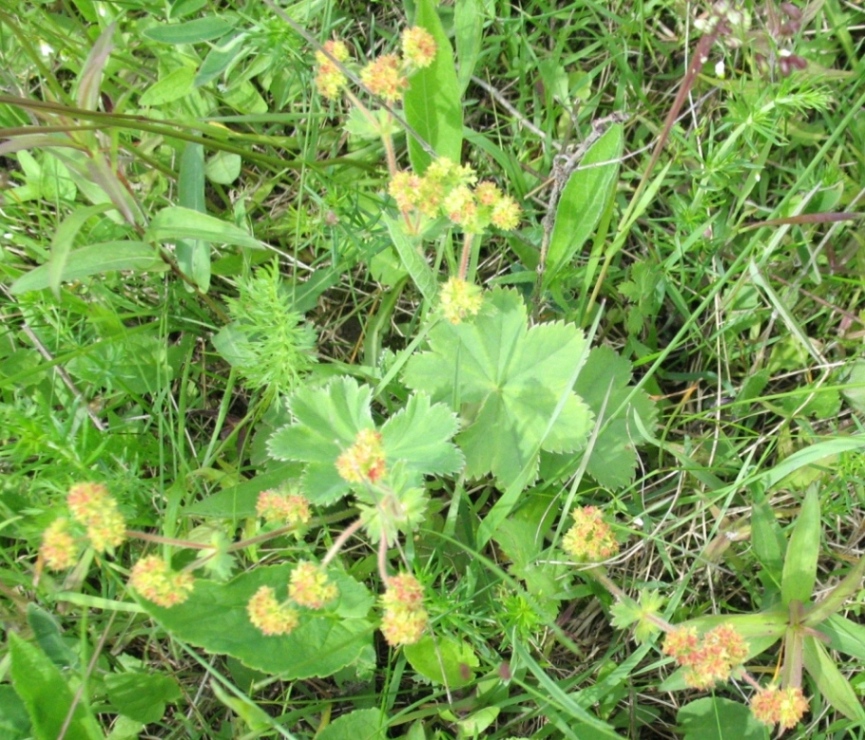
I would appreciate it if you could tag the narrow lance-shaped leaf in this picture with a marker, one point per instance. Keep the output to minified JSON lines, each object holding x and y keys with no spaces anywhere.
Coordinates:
{"x":193,"y":255}
{"x":832,"y":684}
{"x":800,"y":562}
{"x":432,"y":101}
{"x":583,"y":200}
{"x":837,"y":596}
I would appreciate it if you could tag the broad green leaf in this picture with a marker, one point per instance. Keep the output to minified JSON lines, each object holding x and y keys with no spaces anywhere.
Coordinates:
{"x":468,"y":32}
{"x":238,"y":502}
{"x":14,"y":721}
{"x":432,"y":101}
{"x":93,"y":260}
{"x":49,"y":636}
{"x":47,"y":696}
{"x":223,"y":168}
{"x":361,"y":724}
{"x":419,"y":434}
{"x":214,"y":618}
{"x":141,"y":696}
{"x":443,"y":660}
{"x":835,"y":599}
{"x":219,"y":58}
{"x":512,"y":385}
{"x":583,"y":200}
{"x":64,"y":238}
{"x":193,"y":255}
{"x":845,"y":635}
{"x":175,"y":222}
{"x":719,"y":719}
{"x":190,"y":32}
{"x":410,"y":251}
{"x":803,"y":551}
{"x":175,"y":85}
{"x":830,"y":681}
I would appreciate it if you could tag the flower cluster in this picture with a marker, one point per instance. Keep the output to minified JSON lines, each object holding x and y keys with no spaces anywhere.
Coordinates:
{"x":364,"y":461}
{"x":92,"y":508}
{"x":95,"y":508}
{"x":385,"y":76}
{"x":452,"y":190}
{"x":404,"y":618}
{"x":281,"y":508}
{"x":779,"y":706}
{"x":153,"y":579}
{"x":308,"y":587}
{"x":709,"y":660}
{"x":329,"y":78}
{"x":590,"y":539}
{"x":460,"y":299}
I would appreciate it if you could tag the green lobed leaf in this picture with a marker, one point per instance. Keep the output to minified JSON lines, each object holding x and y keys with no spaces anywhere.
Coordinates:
{"x":175,"y":222}
{"x":361,"y":724}
{"x":583,"y":200}
{"x":214,"y":618}
{"x":47,"y":696}
{"x":830,"y":681}
{"x":93,"y":260}
{"x":444,"y":660}
{"x":511,"y":384}
{"x":803,"y":551}
{"x":419,"y":435}
{"x":190,"y":32}
{"x":141,"y":696}
{"x":603,"y":385}
{"x":432,"y":101}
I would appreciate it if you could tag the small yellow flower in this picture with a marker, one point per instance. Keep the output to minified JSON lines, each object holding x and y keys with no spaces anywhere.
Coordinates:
{"x":590,"y":539}
{"x":402,"y":626}
{"x":364,"y":461}
{"x":329,"y":78}
{"x":93,"y":506}
{"x":779,"y":706}
{"x":282,"y":508}
{"x":155,"y":581}
{"x":308,"y":586}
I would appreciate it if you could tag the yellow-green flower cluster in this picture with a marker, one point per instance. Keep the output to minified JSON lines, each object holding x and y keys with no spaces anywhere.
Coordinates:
{"x":452,"y":190}
{"x":153,"y":578}
{"x":329,"y":78}
{"x":460,"y":299}
{"x":95,"y":508}
{"x":385,"y":76}
{"x":709,"y":660}
{"x":405,"y":618}
{"x":590,"y":539}
{"x":779,"y":706}
{"x":281,"y":508}
{"x":94,"y":517}
{"x":364,"y":461}
{"x":308,"y":587}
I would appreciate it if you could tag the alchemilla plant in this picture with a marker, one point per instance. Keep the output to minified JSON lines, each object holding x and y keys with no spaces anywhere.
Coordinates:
{"x":342,"y":395}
